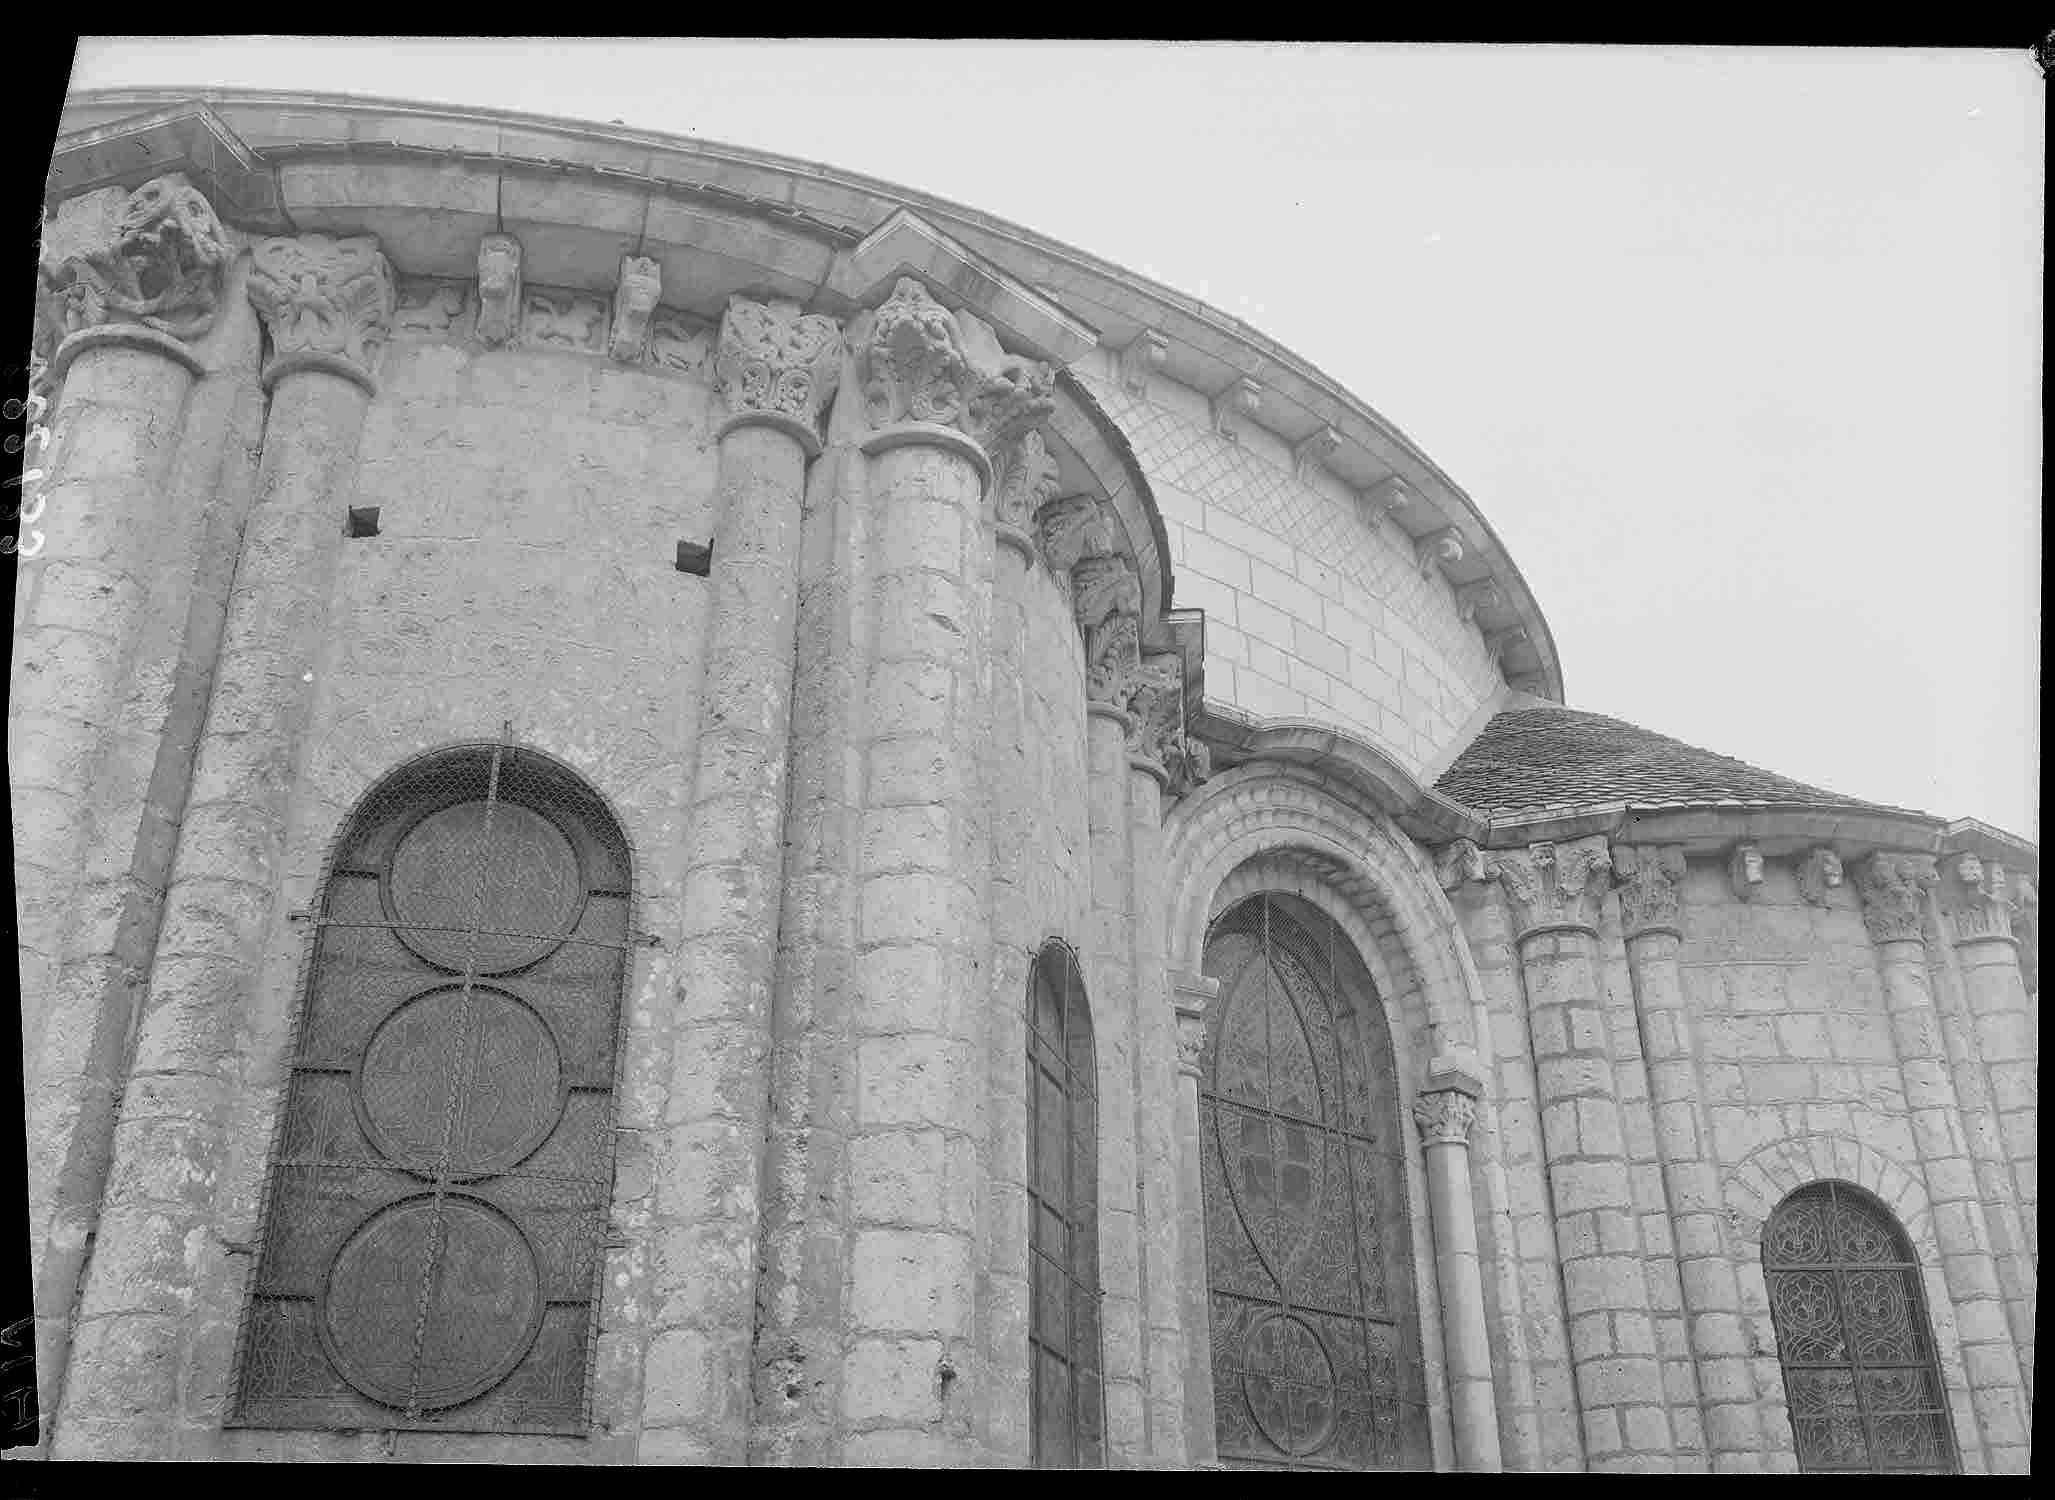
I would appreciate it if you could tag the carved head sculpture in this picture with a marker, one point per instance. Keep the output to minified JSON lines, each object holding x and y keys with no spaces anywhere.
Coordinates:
{"x":641,"y":286}
{"x":1748,"y":865}
{"x":499,"y":265}
{"x":1009,"y":400}
{"x":1969,"y":869}
{"x":163,"y":268}
{"x":1830,"y":867}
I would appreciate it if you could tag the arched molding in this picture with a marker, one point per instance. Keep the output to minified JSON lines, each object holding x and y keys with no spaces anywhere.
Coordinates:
{"x":1404,"y":927}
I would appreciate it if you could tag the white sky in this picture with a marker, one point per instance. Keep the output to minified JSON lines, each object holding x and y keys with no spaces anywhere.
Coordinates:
{"x":1738,"y":350}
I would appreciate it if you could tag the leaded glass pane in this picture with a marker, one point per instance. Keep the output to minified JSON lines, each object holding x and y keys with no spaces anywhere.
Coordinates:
{"x":1865,"y":1394}
{"x":430,"y":1253}
{"x":1299,"y":1257}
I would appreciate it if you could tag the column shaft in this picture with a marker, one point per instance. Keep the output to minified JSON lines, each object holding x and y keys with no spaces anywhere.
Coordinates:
{"x":1445,"y":1117}
{"x":222,"y":912}
{"x":1191,"y":992}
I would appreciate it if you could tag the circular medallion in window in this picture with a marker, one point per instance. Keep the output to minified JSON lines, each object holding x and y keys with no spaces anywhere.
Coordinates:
{"x":1288,"y":1381}
{"x":465,"y":1084}
{"x":497,"y":898}
{"x":479,"y":1317}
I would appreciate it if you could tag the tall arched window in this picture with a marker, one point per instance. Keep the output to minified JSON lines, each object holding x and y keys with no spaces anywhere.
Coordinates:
{"x":1068,"y":1412}
{"x":1315,"y":1342}
{"x":1852,"y":1334}
{"x":441,"y":1175}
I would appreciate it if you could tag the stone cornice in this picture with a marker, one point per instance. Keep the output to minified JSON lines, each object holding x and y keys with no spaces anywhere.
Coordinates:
{"x":1205,"y":348}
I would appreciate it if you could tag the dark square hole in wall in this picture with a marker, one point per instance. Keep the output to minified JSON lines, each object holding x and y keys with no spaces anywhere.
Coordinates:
{"x":363,"y":521}
{"x":695,"y":557}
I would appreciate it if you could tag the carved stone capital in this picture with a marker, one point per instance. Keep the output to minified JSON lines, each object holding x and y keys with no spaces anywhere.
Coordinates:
{"x":499,"y":289}
{"x":1191,"y":1039}
{"x":163,"y":266}
{"x":1438,"y":549}
{"x":1156,"y":699}
{"x":2026,"y":931}
{"x":323,"y":296}
{"x":1026,"y":481}
{"x":1818,"y":873}
{"x":1891,"y":887}
{"x":1243,"y":398}
{"x":1445,"y":1117}
{"x":1073,"y":528}
{"x":635,"y":300}
{"x":1148,"y":351}
{"x":1650,"y":879}
{"x":913,"y":364}
{"x":1009,"y":400}
{"x":1107,"y":599}
{"x":1975,"y":897}
{"x":1745,"y":871}
{"x":772,"y":358}
{"x":1553,"y":886}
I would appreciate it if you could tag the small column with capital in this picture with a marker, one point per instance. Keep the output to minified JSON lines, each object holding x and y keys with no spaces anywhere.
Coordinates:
{"x":1190,"y":995}
{"x":1445,"y":1112}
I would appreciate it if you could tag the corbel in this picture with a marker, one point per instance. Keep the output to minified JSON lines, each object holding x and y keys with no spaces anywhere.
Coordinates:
{"x":1146,"y":352}
{"x":1315,"y":449}
{"x":1244,"y":396}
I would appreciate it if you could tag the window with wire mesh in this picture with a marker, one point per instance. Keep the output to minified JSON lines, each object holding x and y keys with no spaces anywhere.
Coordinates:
{"x":1068,"y":1414}
{"x":1860,"y":1377}
{"x":440,"y":1178}
{"x":1316,"y":1361}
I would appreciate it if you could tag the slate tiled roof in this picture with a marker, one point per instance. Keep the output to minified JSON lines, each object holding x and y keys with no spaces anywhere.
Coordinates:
{"x":1550,"y":759}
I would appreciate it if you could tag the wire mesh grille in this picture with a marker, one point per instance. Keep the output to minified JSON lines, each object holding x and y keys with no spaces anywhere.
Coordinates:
{"x":1860,"y":1376}
{"x":1067,"y":1399}
{"x":440,"y":1179}
{"x":1315,"y":1357}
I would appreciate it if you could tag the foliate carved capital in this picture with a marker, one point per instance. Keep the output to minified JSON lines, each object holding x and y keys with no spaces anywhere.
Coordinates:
{"x":913,"y":364}
{"x":773,"y":358}
{"x":635,"y":300}
{"x":1107,"y":599}
{"x":1553,"y":885}
{"x":1818,"y":873}
{"x":1650,"y":878}
{"x":1026,"y":480}
{"x":1975,"y":896}
{"x":1008,"y":401}
{"x":2026,"y":928}
{"x":499,"y":288}
{"x":1156,"y":699}
{"x":1445,"y":1117}
{"x":319,"y":295}
{"x":164,"y":267}
{"x":1891,"y":887}
{"x":1072,"y":529}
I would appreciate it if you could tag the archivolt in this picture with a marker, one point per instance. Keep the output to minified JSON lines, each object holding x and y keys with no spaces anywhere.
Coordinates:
{"x":1297,"y":822}
{"x":1773,"y":1172}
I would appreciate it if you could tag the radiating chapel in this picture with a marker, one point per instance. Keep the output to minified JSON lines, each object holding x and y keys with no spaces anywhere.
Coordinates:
{"x":672,"y":806}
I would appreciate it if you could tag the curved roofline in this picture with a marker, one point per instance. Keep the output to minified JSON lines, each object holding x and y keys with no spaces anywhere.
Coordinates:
{"x":1214,"y":337}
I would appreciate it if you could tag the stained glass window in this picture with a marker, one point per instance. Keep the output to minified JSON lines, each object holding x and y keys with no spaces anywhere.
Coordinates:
{"x":1066,"y":1401}
{"x":1315,"y":1349}
{"x":1860,"y":1377}
{"x":440,"y":1179}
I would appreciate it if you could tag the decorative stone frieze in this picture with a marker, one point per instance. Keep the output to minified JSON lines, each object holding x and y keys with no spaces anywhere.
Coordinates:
{"x":1891,"y":886}
{"x":1313,"y":450}
{"x":1438,"y":549}
{"x":564,"y":320}
{"x":1975,"y":898}
{"x":773,"y":358}
{"x":499,"y":288}
{"x":1072,"y":529}
{"x":1553,"y":886}
{"x":1458,"y":864}
{"x":1445,"y":1117}
{"x":1472,"y":597}
{"x":1026,"y":481}
{"x":428,"y":307}
{"x":1745,"y":871}
{"x":1148,"y":351}
{"x":1243,"y":398}
{"x":1818,"y":873}
{"x":1650,"y":880}
{"x":635,"y":301}
{"x":323,"y":297}
{"x":163,"y":267}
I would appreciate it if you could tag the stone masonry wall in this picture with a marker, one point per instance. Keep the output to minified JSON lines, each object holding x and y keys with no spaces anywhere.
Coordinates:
{"x":1310,"y":613}
{"x":530,"y":507}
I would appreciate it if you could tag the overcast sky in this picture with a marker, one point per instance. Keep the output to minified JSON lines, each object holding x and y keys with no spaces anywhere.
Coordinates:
{"x":1738,"y":350}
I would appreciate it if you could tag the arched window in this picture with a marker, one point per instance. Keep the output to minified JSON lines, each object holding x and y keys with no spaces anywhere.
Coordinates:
{"x":1852,"y":1333}
{"x":1068,"y":1414}
{"x":441,"y":1175}
{"x":1315,"y":1342}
